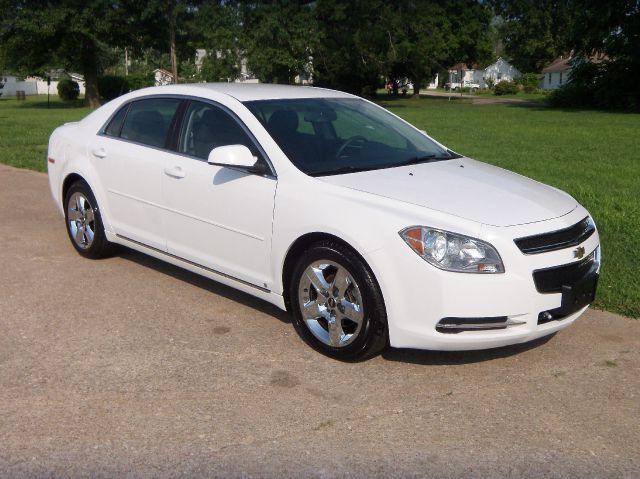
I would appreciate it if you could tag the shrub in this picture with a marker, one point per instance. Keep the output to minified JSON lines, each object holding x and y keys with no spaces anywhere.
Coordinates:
{"x":529,"y":82}
{"x":368,"y":91}
{"x":112,"y":86}
{"x":136,"y":81}
{"x":506,"y":88}
{"x":607,"y":85}
{"x":68,"y":89}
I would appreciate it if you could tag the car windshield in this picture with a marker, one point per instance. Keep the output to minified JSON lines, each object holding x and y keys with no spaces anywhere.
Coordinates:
{"x":325,"y":136}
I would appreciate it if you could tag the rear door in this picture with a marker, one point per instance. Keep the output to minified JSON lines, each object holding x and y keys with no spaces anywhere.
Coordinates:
{"x":130,"y":157}
{"x":218,"y":217}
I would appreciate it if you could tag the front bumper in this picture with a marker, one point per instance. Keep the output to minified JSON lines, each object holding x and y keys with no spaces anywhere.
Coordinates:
{"x":418,"y":296}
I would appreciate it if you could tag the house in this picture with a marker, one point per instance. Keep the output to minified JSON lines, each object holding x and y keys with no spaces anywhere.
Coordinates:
{"x":9,"y":84}
{"x":461,"y":73}
{"x":557,"y":73}
{"x":201,"y":53}
{"x":499,"y":71}
{"x":162,"y":77}
{"x":433,"y":83}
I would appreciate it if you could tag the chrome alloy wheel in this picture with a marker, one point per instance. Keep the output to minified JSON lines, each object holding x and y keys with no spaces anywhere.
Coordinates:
{"x":331,"y":303}
{"x":81,"y":220}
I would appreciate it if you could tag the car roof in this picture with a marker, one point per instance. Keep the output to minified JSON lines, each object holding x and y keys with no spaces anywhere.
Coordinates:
{"x":247,"y":91}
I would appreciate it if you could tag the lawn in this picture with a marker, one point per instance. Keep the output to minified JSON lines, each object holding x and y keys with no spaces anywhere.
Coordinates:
{"x":595,"y":156}
{"x":25,"y":127}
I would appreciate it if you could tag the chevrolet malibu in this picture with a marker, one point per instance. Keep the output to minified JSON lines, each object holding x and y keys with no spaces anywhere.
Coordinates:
{"x":326,"y":205}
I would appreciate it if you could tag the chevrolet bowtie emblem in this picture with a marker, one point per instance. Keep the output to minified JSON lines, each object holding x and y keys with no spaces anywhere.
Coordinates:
{"x":579,"y":252}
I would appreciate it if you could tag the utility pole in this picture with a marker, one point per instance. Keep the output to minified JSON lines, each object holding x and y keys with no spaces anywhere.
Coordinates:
{"x":126,"y":61}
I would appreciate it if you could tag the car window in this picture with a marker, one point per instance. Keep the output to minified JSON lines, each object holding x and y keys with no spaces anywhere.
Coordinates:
{"x":341,"y":135}
{"x":148,"y":121}
{"x":351,"y":123}
{"x":206,"y":127}
{"x":115,"y":125}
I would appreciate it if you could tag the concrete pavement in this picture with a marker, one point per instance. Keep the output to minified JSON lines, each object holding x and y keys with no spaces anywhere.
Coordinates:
{"x":131,"y":367}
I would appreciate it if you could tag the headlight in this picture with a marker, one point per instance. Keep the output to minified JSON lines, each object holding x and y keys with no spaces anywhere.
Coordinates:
{"x":451,"y":251}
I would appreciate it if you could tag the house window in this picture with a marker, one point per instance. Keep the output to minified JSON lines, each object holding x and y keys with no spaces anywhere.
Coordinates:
{"x":499,"y":76}
{"x":560,"y":78}
{"x":549,"y":79}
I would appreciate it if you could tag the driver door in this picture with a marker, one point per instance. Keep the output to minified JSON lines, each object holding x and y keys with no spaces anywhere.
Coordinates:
{"x":218,"y":217}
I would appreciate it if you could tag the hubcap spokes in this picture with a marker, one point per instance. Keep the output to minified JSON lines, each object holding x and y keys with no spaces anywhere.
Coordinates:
{"x":331,"y":303}
{"x":81,"y":220}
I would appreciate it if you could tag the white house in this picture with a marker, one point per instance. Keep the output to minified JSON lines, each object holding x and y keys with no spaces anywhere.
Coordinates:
{"x":10,"y":85}
{"x":433,"y":83}
{"x":499,"y":71}
{"x":496,"y":72}
{"x":36,"y":85}
{"x":162,"y":77}
{"x":556,"y":73}
{"x":461,"y":73}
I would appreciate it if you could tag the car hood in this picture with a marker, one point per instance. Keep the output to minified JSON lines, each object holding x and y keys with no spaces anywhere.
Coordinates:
{"x":465,"y":188}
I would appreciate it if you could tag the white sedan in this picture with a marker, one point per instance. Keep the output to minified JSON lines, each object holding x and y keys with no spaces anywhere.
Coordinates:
{"x":363,"y":227}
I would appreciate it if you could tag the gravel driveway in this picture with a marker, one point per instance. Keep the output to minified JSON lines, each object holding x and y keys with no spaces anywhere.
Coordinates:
{"x":128,"y":366}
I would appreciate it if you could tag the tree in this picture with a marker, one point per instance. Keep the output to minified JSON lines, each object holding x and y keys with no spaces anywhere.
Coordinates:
{"x":168,"y":25}
{"x":280,"y":37}
{"x":605,"y":38}
{"x":534,"y":32}
{"x":352,"y":44}
{"x":426,"y":36}
{"x":361,"y":42}
{"x":73,"y":34}
{"x":220,"y":24}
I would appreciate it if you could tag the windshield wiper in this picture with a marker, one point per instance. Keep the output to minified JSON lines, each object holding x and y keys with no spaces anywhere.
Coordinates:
{"x":343,"y":169}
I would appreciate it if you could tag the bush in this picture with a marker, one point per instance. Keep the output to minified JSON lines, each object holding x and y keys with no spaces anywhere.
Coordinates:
{"x":529,"y":82}
{"x":506,"y":88}
{"x":136,"y":81}
{"x":368,"y":91}
{"x":68,"y":90}
{"x":607,"y":85}
{"x":112,"y":86}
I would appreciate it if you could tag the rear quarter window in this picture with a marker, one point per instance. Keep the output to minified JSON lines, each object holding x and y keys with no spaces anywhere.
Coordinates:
{"x":115,"y":125}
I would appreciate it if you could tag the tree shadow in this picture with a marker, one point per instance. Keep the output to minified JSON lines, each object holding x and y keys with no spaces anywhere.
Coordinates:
{"x":452,"y":358}
{"x":203,"y":282}
{"x":53,"y":105}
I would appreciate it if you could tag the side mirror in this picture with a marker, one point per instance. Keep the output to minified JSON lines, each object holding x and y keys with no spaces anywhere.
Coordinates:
{"x":236,"y":156}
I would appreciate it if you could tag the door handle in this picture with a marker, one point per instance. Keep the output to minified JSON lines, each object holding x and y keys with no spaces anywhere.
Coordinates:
{"x":175,"y":172}
{"x":99,"y":152}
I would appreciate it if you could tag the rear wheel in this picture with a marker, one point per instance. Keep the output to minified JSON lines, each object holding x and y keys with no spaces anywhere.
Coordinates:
{"x":337,"y":304}
{"x":84,"y":223}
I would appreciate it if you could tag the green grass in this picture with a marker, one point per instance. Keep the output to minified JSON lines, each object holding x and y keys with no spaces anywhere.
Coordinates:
{"x":595,"y":156}
{"x":25,"y":127}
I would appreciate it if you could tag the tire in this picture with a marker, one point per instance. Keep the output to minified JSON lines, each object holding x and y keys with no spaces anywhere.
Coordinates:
{"x":337,"y":304}
{"x":84,"y":222}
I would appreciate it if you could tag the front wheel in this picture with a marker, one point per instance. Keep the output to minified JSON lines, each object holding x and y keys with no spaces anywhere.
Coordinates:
{"x":337,"y":304}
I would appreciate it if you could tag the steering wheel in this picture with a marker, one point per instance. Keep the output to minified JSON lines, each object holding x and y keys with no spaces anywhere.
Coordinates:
{"x":350,"y":142}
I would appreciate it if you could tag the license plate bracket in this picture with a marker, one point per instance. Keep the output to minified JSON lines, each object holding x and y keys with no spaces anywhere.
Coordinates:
{"x":580,"y":294}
